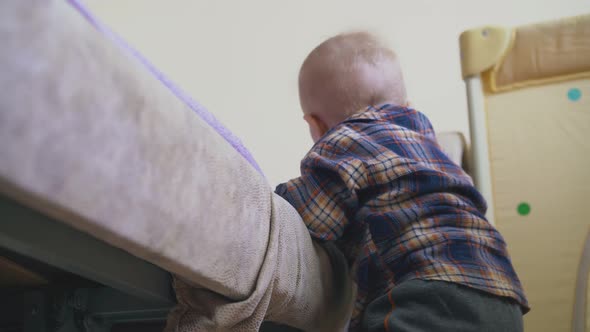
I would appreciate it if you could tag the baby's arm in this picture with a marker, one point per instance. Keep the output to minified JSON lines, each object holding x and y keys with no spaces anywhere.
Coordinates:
{"x":326,"y":204}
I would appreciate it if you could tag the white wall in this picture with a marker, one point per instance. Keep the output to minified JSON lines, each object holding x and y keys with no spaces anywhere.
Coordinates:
{"x":240,"y":58}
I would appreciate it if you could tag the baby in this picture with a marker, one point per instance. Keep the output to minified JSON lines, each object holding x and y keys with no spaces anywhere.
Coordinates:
{"x":408,"y":219}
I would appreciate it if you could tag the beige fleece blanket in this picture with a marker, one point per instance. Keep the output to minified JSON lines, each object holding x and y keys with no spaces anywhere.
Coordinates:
{"x":90,"y":137}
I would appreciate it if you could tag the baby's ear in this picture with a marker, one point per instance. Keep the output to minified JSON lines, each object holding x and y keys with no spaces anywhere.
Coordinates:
{"x":317,"y":127}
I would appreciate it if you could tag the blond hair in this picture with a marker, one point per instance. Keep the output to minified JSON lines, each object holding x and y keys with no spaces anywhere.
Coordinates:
{"x":347,"y":73}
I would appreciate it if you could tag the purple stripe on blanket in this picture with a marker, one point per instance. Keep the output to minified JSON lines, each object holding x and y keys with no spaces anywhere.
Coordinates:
{"x":196,"y":107}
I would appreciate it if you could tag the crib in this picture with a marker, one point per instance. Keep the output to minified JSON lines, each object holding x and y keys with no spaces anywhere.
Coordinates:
{"x":528,"y":91}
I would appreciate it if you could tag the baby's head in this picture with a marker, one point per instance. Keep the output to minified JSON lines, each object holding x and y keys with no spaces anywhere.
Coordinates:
{"x":344,"y":75}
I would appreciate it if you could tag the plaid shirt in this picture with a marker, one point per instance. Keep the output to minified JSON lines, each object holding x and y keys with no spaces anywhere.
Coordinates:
{"x":379,"y":185}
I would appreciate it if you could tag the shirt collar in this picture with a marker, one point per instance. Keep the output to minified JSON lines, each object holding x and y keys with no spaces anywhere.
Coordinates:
{"x":379,"y":112}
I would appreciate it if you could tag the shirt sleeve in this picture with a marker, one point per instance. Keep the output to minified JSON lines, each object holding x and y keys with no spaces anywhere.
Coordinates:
{"x":322,"y":196}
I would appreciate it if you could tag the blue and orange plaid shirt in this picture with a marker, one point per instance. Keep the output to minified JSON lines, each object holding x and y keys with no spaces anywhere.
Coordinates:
{"x":379,"y":185}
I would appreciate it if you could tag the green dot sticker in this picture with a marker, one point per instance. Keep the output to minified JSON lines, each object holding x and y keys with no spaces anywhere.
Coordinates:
{"x":523,"y":209}
{"x":574,"y":94}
